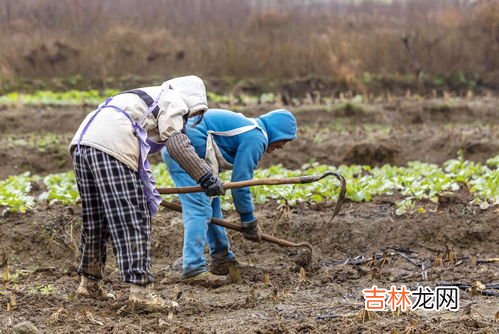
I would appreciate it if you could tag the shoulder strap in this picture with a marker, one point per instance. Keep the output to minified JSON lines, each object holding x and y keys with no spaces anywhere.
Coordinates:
{"x":148,"y":100}
{"x":240,"y":130}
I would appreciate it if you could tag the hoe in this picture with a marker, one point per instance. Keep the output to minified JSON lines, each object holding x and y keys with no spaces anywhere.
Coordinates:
{"x":259,"y":182}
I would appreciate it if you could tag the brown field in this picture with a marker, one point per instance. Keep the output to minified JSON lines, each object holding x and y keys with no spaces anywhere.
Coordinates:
{"x":274,"y":297}
{"x":365,"y":46}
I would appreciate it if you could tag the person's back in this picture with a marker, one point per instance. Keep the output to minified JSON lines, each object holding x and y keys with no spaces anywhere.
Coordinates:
{"x":218,"y":121}
{"x":226,"y":140}
{"x":111,"y":130}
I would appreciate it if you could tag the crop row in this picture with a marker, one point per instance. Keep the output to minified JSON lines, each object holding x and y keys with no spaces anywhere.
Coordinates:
{"x":94,"y":97}
{"x":415,"y":182}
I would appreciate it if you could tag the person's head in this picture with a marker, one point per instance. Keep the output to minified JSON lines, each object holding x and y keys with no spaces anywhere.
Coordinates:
{"x":192,"y":90}
{"x":281,"y":128}
{"x":277,"y":145}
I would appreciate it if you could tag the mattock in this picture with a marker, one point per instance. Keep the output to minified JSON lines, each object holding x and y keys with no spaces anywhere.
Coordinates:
{"x":258,"y":182}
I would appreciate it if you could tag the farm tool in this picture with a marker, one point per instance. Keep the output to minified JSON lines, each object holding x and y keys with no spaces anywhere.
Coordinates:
{"x":257,"y":182}
{"x":235,"y":227}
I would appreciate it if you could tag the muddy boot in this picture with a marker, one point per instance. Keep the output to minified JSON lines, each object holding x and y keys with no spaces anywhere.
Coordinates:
{"x":145,"y":299}
{"x":92,"y":289}
{"x":222,"y":267}
{"x":207,"y":280}
{"x":228,"y":267}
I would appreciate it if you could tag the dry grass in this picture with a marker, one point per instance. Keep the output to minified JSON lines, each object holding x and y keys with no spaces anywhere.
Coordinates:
{"x":250,"y":39}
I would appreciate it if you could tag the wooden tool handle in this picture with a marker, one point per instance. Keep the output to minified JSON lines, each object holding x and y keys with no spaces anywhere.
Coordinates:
{"x":241,"y":184}
{"x":235,"y":227}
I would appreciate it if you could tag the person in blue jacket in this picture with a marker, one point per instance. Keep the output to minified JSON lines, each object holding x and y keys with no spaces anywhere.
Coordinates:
{"x":226,"y":140}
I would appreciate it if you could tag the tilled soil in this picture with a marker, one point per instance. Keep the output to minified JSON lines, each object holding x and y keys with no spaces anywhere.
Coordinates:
{"x":276,"y":294}
{"x":274,"y":297}
{"x":379,"y":133}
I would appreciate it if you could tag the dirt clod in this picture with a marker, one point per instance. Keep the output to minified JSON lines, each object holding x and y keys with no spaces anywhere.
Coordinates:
{"x":25,"y":327}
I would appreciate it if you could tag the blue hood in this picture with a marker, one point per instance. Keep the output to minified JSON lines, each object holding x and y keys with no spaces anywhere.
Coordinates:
{"x":280,"y":125}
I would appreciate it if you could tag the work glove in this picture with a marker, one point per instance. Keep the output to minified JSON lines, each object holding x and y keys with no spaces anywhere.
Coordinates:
{"x":251,"y":231}
{"x":212,"y":185}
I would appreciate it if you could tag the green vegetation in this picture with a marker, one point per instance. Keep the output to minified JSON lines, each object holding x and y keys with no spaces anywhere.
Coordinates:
{"x":417,"y":181}
{"x":217,"y":98}
{"x":493,"y":162}
{"x":42,"y":289}
{"x":44,"y":97}
{"x":14,"y":193}
{"x":40,"y":142}
{"x":61,"y":188}
{"x":95,"y":97}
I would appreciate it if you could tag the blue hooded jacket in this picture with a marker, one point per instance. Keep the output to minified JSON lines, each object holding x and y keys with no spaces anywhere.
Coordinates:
{"x":245,"y":150}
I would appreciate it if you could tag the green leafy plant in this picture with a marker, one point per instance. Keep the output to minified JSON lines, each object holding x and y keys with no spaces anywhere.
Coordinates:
{"x":61,"y":188}
{"x":14,"y":193}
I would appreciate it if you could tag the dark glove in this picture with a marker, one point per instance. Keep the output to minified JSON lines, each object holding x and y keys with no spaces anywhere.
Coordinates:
{"x":212,"y":185}
{"x":251,"y":231}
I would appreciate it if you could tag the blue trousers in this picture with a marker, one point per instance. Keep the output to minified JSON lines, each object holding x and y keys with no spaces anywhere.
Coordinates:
{"x":197,"y":211}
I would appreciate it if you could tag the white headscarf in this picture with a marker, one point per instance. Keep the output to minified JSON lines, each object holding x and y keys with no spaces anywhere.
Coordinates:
{"x":192,"y":90}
